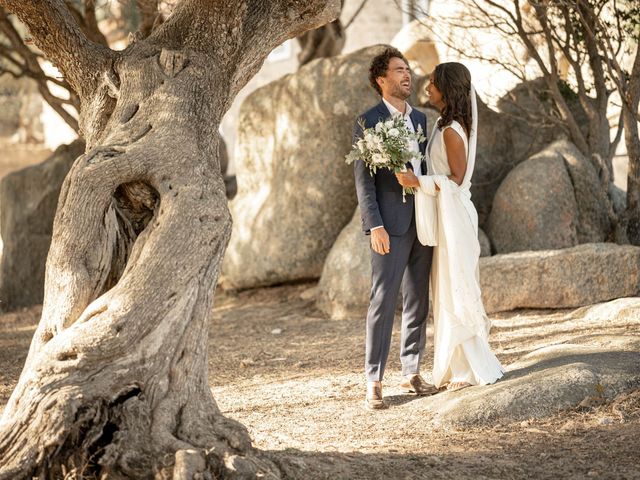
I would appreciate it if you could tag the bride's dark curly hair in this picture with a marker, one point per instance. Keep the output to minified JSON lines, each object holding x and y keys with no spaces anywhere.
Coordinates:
{"x":453,"y":80}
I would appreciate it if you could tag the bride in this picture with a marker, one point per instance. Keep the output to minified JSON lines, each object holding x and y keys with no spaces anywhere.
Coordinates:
{"x":447,"y":219}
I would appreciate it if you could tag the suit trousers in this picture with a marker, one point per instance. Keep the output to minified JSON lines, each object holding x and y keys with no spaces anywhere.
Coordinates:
{"x":407,"y":265}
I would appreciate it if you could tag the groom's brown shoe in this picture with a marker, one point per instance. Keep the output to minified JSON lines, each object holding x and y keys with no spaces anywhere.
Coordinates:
{"x":417,"y":385}
{"x":373,"y":400}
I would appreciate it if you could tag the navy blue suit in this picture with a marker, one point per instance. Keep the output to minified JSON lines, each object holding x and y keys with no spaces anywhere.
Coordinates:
{"x":407,"y":264}
{"x":380,"y":195}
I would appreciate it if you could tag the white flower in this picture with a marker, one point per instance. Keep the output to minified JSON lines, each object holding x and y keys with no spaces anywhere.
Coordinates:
{"x":360,"y":145}
{"x":378,"y":159}
{"x":388,"y":124}
{"x":394,"y":132}
{"x":370,"y":141}
{"x":379,"y":126}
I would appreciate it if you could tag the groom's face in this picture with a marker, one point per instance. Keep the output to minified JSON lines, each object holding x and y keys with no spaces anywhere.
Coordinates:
{"x":397,"y":80}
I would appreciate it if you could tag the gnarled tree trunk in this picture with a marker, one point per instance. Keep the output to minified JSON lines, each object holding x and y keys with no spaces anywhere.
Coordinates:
{"x":116,"y":377}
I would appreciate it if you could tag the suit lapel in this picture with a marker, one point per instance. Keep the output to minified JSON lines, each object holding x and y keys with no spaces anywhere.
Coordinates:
{"x":383,"y":111}
{"x":414,"y":118}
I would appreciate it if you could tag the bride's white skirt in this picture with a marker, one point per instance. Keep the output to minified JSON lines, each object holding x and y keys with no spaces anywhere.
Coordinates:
{"x":461,"y":350}
{"x":450,"y":224}
{"x":461,"y":355}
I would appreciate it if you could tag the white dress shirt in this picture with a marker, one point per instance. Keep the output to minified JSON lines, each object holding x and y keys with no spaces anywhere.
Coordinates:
{"x":413,"y":144}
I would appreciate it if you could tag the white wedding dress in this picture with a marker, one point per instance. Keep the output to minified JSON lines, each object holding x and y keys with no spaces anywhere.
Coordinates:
{"x":461,"y":347}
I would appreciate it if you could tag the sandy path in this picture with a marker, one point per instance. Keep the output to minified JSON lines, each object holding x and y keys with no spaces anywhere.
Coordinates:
{"x":300,"y":393}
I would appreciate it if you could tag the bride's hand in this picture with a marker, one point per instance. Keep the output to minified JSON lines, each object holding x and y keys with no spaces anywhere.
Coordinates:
{"x":408,"y":179}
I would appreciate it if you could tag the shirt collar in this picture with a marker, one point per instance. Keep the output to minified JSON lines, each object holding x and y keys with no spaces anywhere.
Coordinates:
{"x":394,"y":111}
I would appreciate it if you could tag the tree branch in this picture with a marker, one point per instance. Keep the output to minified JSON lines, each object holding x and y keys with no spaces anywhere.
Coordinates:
{"x":31,"y":68}
{"x":150,"y":16}
{"x":4,"y":70}
{"x":91,"y":23}
{"x":541,"y":14}
{"x":355,"y":15}
{"x":56,"y":33}
{"x":589,"y":21}
{"x":7,"y":54}
{"x":566,"y":50}
{"x":618,"y":137}
{"x":233,"y":32}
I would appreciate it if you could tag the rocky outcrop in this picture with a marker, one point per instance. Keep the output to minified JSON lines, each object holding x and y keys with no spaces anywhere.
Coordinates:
{"x":345,"y":282}
{"x":28,"y":200}
{"x":592,"y":199}
{"x":485,"y":243}
{"x":575,"y":370}
{"x":535,"y":207}
{"x":567,"y":278}
{"x":20,"y":110}
{"x":553,"y":200}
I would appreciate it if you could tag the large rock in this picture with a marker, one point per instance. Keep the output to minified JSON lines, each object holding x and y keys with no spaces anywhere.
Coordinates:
{"x":295,"y":191}
{"x":553,"y":200}
{"x":573,"y":369}
{"x":567,"y":278}
{"x":589,"y":370}
{"x":535,"y":207}
{"x":417,"y":45}
{"x":485,"y":243}
{"x":20,"y":110}
{"x":594,"y":223}
{"x":345,"y":283}
{"x":28,"y":200}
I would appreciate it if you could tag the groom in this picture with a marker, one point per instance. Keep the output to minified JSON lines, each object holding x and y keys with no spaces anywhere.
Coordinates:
{"x":397,"y":257}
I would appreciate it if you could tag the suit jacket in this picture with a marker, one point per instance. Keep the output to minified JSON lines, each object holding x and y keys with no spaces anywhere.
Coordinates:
{"x":380,"y":194}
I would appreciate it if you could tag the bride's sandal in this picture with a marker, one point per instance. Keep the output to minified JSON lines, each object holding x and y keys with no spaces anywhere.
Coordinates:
{"x":453,"y":386}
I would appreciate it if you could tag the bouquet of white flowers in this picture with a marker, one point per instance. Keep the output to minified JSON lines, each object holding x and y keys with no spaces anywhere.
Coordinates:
{"x":387,"y":146}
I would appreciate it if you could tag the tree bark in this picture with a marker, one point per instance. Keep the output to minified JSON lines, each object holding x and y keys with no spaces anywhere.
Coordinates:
{"x":115,"y":382}
{"x":632,"y":141}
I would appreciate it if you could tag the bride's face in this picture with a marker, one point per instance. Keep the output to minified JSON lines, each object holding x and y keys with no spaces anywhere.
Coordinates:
{"x":434,"y":95}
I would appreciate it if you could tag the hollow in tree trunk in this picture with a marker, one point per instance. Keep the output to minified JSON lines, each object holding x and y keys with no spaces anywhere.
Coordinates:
{"x":115,"y":382}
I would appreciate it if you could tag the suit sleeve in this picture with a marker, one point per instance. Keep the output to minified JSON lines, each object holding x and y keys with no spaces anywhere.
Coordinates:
{"x":365,"y":189}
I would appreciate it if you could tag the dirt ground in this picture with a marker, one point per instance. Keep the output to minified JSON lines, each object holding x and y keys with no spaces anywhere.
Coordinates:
{"x":294,"y":378}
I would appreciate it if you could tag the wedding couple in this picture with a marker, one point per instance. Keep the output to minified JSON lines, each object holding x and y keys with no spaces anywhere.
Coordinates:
{"x":433,"y":234}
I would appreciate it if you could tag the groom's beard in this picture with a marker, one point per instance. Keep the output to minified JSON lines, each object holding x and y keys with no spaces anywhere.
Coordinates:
{"x":399,"y":92}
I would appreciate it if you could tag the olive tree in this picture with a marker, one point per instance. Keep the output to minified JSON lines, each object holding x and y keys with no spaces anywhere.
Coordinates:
{"x":115,"y":381}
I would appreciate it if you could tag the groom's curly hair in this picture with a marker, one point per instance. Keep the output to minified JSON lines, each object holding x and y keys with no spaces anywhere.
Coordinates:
{"x":380,"y":65}
{"x":453,"y":80}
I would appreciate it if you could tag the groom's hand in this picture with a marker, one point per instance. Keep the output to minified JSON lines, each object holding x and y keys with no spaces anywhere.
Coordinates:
{"x":380,"y":241}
